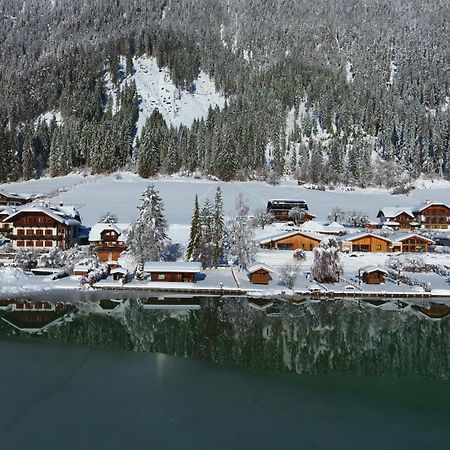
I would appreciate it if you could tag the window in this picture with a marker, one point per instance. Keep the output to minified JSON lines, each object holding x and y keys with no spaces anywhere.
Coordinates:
{"x":48,"y":243}
{"x":20,"y":243}
{"x":20,"y":232}
{"x":30,"y":232}
{"x":284,"y":246}
{"x":48,"y":232}
{"x":378,"y":247}
{"x":39,"y":244}
{"x":39,"y":232}
{"x":161,"y":276}
{"x":30,"y":244}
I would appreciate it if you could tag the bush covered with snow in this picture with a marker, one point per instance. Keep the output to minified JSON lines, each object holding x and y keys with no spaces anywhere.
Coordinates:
{"x":327,"y":266}
{"x":299,"y":255}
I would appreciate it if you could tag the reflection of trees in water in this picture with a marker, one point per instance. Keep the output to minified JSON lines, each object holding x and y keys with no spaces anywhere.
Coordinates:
{"x":321,"y":337}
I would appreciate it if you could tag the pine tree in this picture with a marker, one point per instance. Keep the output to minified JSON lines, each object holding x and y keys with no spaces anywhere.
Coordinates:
{"x":28,"y":158}
{"x":207,"y":234}
{"x":147,"y":238}
{"x":218,"y":226}
{"x":193,"y":249}
{"x":108,"y":217}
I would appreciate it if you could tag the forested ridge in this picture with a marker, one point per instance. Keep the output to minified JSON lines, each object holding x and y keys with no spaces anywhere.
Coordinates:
{"x":328,"y":91}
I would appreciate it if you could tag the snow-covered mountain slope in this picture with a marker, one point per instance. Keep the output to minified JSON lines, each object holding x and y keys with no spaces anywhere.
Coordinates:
{"x":157,"y":90}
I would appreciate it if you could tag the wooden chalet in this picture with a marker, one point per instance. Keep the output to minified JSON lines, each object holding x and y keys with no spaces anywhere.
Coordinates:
{"x":172,"y":271}
{"x":372,"y":275}
{"x":291,"y":240}
{"x":12,"y":199}
{"x":42,"y":228}
{"x":109,"y":240}
{"x":281,"y":209}
{"x":397,"y":219}
{"x":433,"y":215}
{"x":412,"y":242}
{"x":259,"y":273}
{"x":368,"y":242}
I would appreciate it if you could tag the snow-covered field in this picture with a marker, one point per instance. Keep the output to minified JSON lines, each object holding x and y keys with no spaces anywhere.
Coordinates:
{"x":120,"y":193}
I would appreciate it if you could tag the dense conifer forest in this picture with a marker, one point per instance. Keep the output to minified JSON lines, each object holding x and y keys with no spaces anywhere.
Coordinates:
{"x":327,"y":91}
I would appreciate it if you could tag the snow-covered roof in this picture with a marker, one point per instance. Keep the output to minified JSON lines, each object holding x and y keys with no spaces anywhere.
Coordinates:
{"x":59,"y":216}
{"x":258,"y":266}
{"x":7,"y":210}
{"x":427,"y":204}
{"x":80,"y":267}
{"x":287,"y":234}
{"x":120,"y":228}
{"x":354,"y":237}
{"x":391,"y":223}
{"x":12,"y":195}
{"x":310,"y":225}
{"x":403,"y":236}
{"x":335,"y":226}
{"x":394,"y":212}
{"x":371,"y":269}
{"x":119,"y":270}
{"x":168,"y":266}
{"x":287,"y":201}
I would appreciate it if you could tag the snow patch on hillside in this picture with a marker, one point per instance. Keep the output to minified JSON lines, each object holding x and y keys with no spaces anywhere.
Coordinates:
{"x":48,"y":117}
{"x":157,"y":90}
{"x":350,"y":76}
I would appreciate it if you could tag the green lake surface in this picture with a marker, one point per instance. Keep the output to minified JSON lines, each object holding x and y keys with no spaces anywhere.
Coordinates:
{"x":228,"y":375}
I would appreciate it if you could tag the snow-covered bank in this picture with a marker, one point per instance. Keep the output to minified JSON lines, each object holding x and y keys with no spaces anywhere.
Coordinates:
{"x":16,"y":282}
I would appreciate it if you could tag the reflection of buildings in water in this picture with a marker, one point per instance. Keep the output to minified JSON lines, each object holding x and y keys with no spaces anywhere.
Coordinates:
{"x":433,"y":310}
{"x":36,"y":317}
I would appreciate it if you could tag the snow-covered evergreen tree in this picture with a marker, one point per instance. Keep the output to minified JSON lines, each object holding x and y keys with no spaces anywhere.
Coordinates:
{"x":218,"y":226}
{"x":327,"y":266}
{"x":147,"y":237}
{"x":241,"y":246}
{"x":108,"y":217}
{"x":193,"y":249}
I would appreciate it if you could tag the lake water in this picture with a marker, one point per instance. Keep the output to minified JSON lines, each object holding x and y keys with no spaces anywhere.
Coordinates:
{"x":320,"y":375}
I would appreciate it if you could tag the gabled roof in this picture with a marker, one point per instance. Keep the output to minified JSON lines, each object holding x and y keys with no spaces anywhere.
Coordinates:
{"x":371,"y":269}
{"x":168,"y":266}
{"x":12,"y":195}
{"x":120,"y":228}
{"x":403,"y":236}
{"x":119,"y":270}
{"x":51,"y":212}
{"x":287,"y":234}
{"x":258,"y":266}
{"x":354,"y":237}
{"x":391,"y":212}
{"x":426,"y":205}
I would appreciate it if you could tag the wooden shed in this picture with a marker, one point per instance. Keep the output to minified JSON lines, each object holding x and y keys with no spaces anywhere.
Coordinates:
{"x":373,"y":275}
{"x":119,"y":273}
{"x":259,"y":273}
{"x":172,"y":271}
